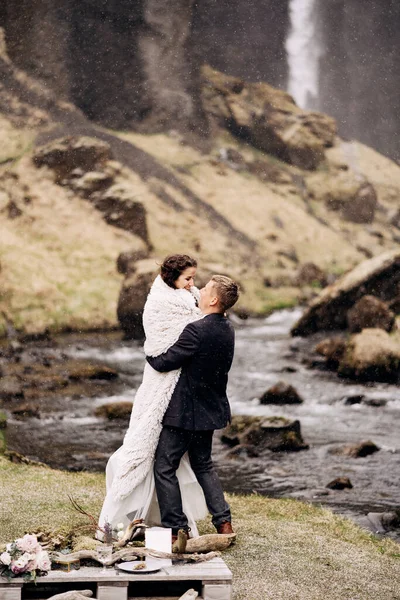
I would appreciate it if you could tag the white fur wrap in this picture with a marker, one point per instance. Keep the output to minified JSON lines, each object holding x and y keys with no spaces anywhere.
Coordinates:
{"x":166,"y":313}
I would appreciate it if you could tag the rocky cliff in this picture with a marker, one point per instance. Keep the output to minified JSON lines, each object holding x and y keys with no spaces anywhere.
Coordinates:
{"x":135,"y":63}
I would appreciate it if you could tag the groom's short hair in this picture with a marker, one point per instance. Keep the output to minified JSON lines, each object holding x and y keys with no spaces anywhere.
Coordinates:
{"x":226,"y":289}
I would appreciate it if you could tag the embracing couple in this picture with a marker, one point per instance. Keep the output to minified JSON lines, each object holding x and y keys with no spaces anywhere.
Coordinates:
{"x":163,"y":473}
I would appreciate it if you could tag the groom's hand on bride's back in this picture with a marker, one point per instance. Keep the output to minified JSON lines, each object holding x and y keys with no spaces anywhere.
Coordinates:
{"x":179,"y":354}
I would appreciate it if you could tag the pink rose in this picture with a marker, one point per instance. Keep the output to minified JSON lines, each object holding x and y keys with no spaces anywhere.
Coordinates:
{"x":28,"y":543}
{"x":43,"y":561}
{"x":17,"y":570}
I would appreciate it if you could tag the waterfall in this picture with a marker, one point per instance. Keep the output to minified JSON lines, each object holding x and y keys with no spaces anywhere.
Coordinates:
{"x":304,"y":49}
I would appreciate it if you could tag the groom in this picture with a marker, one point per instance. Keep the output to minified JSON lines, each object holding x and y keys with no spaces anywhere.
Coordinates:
{"x":198,"y":406}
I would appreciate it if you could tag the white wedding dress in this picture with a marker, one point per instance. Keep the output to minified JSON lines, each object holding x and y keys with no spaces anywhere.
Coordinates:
{"x":129,"y":473}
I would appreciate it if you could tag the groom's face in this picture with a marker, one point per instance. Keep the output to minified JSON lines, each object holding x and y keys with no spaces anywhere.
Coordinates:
{"x":208,"y":298}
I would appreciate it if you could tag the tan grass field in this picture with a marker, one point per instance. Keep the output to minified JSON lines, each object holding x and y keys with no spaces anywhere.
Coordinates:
{"x":285,"y":549}
{"x":57,"y":259}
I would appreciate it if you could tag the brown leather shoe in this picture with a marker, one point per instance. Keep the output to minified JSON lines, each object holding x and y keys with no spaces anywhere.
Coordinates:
{"x":225,"y":528}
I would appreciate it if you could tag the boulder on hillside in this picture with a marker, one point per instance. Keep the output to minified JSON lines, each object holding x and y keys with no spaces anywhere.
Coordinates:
{"x":126,"y":261}
{"x":371,"y":355}
{"x":121,"y":209}
{"x":361,"y":209}
{"x":345,"y":192}
{"x":277,"y":434}
{"x":281,"y":393}
{"x":267,"y":171}
{"x":378,"y":276}
{"x":310,"y":274}
{"x":133,"y":296}
{"x":268,"y":118}
{"x":370,"y":312}
{"x":63,"y":155}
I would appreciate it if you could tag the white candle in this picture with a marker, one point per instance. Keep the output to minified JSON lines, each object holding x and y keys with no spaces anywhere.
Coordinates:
{"x":159,"y":538}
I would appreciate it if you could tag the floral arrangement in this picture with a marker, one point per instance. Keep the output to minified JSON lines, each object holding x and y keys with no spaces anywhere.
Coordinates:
{"x":113,"y":533}
{"x":24,"y":557}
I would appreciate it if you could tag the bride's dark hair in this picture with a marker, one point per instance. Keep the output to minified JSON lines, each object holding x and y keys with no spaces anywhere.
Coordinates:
{"x":174,"y":265}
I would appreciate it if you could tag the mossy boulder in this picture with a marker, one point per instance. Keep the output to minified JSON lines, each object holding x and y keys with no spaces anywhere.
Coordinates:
{"x":370,"y":312}
{"x":268,"y":118}
{"x":332,"y":349}
{"x":281,"y":393}
{"x":372,"y":355}
{"x":359,"y":450}
{"x":272,"y":433}
{"x":133,"y":296}
{"x":378,"y":276}
{"x":114,"y":410}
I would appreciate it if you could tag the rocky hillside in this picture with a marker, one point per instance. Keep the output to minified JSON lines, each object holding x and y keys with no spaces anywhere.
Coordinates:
{"x":271,"y":190}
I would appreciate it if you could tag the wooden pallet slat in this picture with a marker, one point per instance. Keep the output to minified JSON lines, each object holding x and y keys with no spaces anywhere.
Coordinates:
{"x":213,"y":578}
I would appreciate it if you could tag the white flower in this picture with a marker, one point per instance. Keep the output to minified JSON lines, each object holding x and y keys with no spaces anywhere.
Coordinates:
{"x":8,"y":547}
{"x":28,"y":543}
{"x":120,"y":526}
{"x":120,"y":535}
{"x":43,"y":561}
{"x":5,"y":557}
{"x":21,"y":562}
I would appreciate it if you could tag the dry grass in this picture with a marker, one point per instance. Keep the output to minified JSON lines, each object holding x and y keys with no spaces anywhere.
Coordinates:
{"x":58,"y":259}
{"x":285,"y":549}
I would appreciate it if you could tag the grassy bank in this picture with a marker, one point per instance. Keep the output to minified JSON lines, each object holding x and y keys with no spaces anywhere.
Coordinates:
{"x":285,"y":549}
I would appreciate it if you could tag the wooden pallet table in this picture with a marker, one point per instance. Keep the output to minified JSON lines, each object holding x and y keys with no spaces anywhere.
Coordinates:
{"x":212,"y":579}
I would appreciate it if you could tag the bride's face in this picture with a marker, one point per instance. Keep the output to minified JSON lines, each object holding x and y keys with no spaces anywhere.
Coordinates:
{"x":186,"y":279}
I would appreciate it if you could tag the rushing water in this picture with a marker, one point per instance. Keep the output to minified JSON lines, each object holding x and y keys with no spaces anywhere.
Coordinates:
{"x":68,"y":435}
{"x":304,"y":50}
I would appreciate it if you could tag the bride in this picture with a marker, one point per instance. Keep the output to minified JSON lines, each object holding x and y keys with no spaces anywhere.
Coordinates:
{"x":170,"y":306}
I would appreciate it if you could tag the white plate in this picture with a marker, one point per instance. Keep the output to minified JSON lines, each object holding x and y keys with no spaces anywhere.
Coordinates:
{"x":130,"y":567}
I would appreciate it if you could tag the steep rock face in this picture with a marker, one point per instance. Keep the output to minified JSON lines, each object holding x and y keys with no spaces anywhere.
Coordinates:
{"x":359,"y":71}
{"x":122,"y":62}
{"x":245,"y":39}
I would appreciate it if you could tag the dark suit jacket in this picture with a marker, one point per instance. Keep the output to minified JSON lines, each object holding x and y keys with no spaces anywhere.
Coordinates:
{"x":205,"y":352}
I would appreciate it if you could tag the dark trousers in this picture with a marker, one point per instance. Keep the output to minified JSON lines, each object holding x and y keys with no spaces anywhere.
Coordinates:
{"x":173,"y":444}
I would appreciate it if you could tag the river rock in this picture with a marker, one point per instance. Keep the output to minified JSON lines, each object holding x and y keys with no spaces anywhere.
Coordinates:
{"x":268,"y":118}
{"x":26,"y":409}
{"x":281,"y":393}
{"x":378,"y":276}
{"x":10,"y":388}
{"x":340,"y":483}
{"x":359,"y":450}
{"x":372,"y":355}
{"x":114,"y":410}
{"x":133,"y":296}
{"x":332,"y":349}
{"x":369,"y":312}
{"x":82,"y":370}
{"x":63,"y":155}
{"x":272,"y":433}
{"x":354,"y":399}
{"x":242,"y":451}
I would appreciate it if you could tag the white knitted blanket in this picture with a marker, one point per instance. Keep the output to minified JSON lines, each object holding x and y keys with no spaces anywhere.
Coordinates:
{"x":166,"y":313}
